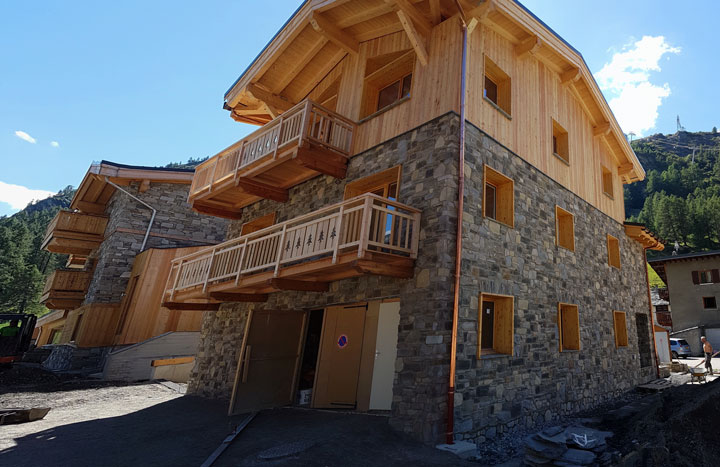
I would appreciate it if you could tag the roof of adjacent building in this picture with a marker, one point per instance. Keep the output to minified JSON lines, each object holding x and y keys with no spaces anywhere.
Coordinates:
{"x":686,"y":256}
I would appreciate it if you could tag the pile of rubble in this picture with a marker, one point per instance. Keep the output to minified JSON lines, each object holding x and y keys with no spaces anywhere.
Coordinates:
{"x":572,"y":446}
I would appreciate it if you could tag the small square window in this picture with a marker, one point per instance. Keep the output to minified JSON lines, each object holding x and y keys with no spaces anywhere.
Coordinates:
{"x":564,"y":229}
{"x":709,"y":303}
{"x":569,"y":327}
{"x":496,"y":324}
{"x":560,"y":145}
{"x":620,"y":324}
{"x":497,"y":87}
{"x":499,"y":197}
{"x":607,"y":181}
{"x":613,"y":247}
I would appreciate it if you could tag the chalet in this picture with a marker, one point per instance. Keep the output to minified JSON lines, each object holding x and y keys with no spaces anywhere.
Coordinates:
{"x":429,"y":221}
{"x":124,"y":226}
{"x":693,"y":282}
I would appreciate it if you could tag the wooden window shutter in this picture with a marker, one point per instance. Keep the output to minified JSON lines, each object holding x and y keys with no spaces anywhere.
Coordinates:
{"x":715,"y":276}
{"x":504,"y":326}
{"x":696,"y":277}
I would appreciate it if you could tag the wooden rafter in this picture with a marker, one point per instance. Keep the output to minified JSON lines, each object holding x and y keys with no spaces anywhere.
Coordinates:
{"x":416,"y":39}
{"x":625,"y":169}
{"x":279,"y":102}
{"x":602,"y":129}
{"x":301,"y":63}
{"x":365,"y":15}
{"x":570,"y":76}
{"x":342,"y":39}
{"x":528,"y":46}
{"x":436,"y":16}
{"x":320,"y":75}
{"x":422,"y":24}
{"x":482,"y":11}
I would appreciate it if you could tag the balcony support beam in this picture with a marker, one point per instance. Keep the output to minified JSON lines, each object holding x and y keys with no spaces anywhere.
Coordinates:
{"x":263,"y":190}
{"x":238,"y":297}
{"x":191,"y":306}
{"x":298,"y":285}
{"x":279,"y":102}
{"x":322,"y":160}
{"x":382,"y":269}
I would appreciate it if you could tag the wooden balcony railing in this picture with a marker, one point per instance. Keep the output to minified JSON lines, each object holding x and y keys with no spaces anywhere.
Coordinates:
{"x":306,"y":125}
{"x":74,"y":233}
{"x":66,"y":288}
{"x":367,"y":225}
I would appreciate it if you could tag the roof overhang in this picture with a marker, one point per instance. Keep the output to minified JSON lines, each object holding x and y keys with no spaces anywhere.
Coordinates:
{"x":642,"y":235}
{"x":331,"y":29}
{"x":94,"y":192}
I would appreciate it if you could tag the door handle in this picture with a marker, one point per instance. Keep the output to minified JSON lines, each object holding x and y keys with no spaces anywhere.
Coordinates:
{"x":246,"y":363}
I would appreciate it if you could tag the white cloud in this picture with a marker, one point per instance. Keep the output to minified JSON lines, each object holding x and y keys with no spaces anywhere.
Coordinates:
{"x":626,"y":81}
{"x":54,"y":144}
{"x":24,"y":136}
{"x":18,"y":196}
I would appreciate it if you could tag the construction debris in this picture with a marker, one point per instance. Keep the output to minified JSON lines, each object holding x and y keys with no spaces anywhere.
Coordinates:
{"x":571,"y":446}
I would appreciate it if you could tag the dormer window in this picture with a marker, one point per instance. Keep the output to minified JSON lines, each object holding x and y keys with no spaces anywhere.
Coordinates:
{"x":388,"y":81}
{"x":394,"y":92}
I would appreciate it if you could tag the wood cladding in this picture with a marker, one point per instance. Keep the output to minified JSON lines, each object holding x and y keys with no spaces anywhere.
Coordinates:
{"x":91,"y":325}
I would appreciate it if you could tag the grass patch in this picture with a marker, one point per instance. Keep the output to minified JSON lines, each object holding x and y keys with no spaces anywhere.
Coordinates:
{"x":655,"y":280}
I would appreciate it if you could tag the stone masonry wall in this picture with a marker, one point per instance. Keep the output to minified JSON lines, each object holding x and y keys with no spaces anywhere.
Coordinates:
{"x":429,"y":182}
{"x":538,"y":383}
{"x":175,"y":225}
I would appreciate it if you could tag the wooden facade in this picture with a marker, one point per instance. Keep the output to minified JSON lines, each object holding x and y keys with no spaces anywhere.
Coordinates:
{"x":65,"y":288}
{"x":74,"y":233}
{"x":91,"y":325}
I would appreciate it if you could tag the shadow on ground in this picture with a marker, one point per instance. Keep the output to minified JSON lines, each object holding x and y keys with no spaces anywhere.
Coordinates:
{"x":186,"y":430}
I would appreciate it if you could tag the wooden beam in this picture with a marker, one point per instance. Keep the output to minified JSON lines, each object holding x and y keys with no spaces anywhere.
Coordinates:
{"x":483,"y":10}
{"x":416,"y":39}
{"x":238,"y":297}
{"x":471,"y":25}
{"x":171,"y":361}
{"x":303,"y":286}
{"x":217,"y":211}
{"x":625,"y":169}
{"x":91,"y":208}
{"x":528,"y":46}
{"x":367,"y":13}
{"x":280,"y":102}
{"x":382,"y":269}
{"x":191,"y":306}
{"x":253,"y":187}
{"x":435,"y":15}
{"x":301,"y":62}
{"x":144,"y":186}
{"x":602,"y":129}
{"x":271,"y":110}
{"x":570,"y":76}
{"x":421,"y":22}
{"x":315,"y":159}
{"x":255,"y":111}
{"x":334,"y":34}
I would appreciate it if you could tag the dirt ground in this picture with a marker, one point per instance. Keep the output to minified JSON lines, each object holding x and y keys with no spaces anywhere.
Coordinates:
{"x":100,"y":424}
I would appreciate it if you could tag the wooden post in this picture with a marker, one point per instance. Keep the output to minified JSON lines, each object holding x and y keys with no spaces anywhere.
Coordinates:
{"x":364,"y":223}
{"x":207,"y":274}
{"x":305,"y":122}
{"x":240,"y":158}
{"x":339,"y":233}
{"x":279,"y":250}
{"x":242,"y":257}
{"x":177,"y":279}
{"x":212,"y":177}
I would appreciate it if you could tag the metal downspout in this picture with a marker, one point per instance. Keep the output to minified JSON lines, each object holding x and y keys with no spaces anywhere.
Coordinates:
{"x":652,"y":317}
{"x":152,"y":218}
{"x":458,"y":246}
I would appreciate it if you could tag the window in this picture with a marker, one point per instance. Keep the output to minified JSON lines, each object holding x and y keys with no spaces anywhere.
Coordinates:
{"x":388,"y":80}
{"x":76,"y":329}
{"x":620,"y":323}
{"x":257,"y":224}
{"x":662,"y":308}
{"x":383,"y":184}
{"x":709,"y":276}
{"x":496,"y":324}
{"x":499,"y":197}
{"x":564,"y":229}
{"x":607,"y":181}
{"x":613,"y":247}
{"x":709,"y":303}
{"x":568,"y":327}
{"x":560,"y":145}
{"x":497,"y":87}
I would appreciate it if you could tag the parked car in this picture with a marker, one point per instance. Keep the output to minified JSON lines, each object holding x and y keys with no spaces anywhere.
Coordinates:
{"x":679,"y":348}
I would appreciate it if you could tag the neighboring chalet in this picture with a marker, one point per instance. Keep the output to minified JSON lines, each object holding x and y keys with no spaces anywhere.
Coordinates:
{"x":124,"y":226}
{"x":693,"y":285}
{"x":338,"y":278}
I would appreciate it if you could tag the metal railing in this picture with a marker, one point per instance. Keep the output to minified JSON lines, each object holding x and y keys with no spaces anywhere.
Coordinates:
{"x":306,"y":121}
{"x":365,"y":223}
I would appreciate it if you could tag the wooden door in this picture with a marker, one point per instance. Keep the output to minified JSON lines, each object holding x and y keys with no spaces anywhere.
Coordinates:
{"x":338,"y":366}
{"x":267,"y":370}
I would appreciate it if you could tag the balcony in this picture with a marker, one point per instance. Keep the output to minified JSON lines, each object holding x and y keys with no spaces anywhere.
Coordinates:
{"x":65,"y":289}
{"x":305,"y":141}
{"x":367,"y":234}
{"x":74,"y":233}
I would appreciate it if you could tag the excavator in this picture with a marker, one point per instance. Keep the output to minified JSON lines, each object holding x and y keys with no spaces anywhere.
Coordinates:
{"x":15,"y":336}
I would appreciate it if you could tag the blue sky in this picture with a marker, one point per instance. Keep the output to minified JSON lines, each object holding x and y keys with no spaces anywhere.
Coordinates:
{"x":143,"y":82}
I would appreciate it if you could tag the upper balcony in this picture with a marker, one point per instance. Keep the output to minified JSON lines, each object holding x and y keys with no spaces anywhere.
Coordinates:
{"x":74,"y":233}
{"x":303,"y":142}
{"x":65,"y":289}
{"x":367,"y":234}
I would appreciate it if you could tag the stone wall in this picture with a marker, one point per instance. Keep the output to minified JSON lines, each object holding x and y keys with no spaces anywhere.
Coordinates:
{"x":175,"y":225}
{"x":501,"y":393}
{"x":429,"y":182}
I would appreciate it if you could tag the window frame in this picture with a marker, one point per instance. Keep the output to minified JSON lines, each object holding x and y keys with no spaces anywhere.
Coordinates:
{"x":563,"y":324}
{"x":397,"y":69}
{"x":561,"y":213}
{"x":507,"y":308}
{"x":700,"y":277}
{"x":560,"y":142}
{"x":504,"y":188}
{"x":621,"y":338}
{"x":613,"y":251}
{"x":502,"y":82}
{"x":373,"y":182}
{"x":704,"y":302}
{"x":607,"y":182}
